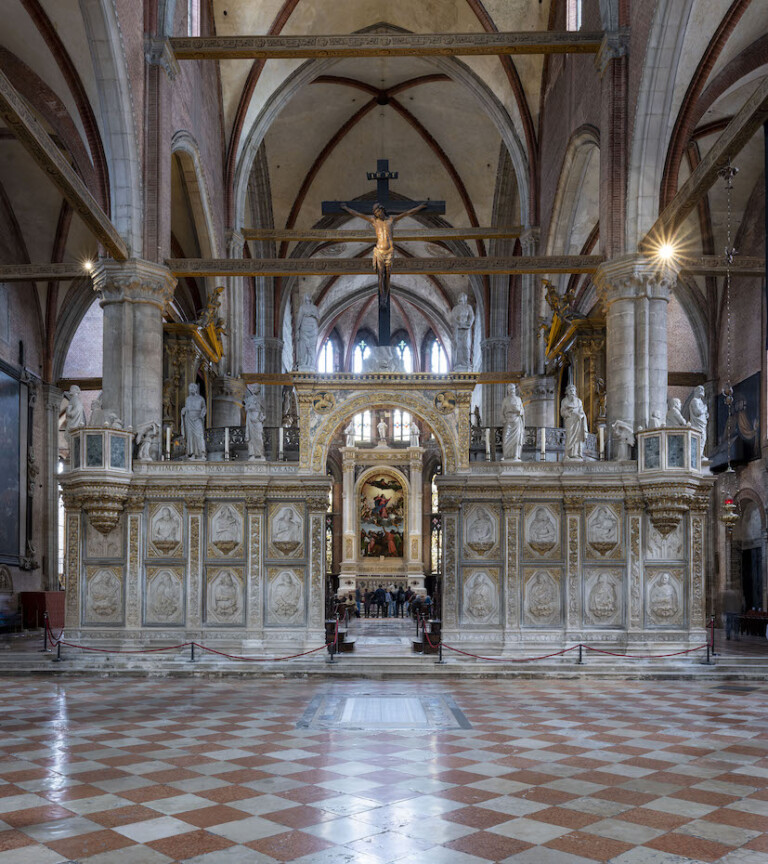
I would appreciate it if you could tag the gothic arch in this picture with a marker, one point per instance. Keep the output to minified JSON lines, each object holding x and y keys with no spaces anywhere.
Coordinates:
{"x":79,"y":300}
{"x":184,"y":146}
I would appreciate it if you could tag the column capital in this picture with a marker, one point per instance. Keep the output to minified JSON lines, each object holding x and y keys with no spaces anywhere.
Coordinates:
{"x":235,"y":243}
{"x":615,"y":44}
{"x":634,"y":277}
{"x":158,"y":52}
{"x":133,"y":281}
{"x":530,"y":239}
{"x":52,"y":396}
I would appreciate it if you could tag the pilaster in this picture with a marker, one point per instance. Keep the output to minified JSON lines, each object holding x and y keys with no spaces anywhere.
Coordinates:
{"x":134,"y":515}
{"x":134,"y":295}
{"x":317,"y":506}
{"x":195,"y":504}
{"x":450,"y":501}
{"x":512,"y":588}
{"x":415,"y":540}
{"x":635,"y":507}
{"x":254,"y":505}
{"x":532,"y":348}
{"x":72,"y":563}
{"x":232,"y":364}
{"x":574,"y":505}
{"x":52,"y":397}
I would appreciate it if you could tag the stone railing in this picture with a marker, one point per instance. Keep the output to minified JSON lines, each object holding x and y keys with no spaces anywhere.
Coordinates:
{"x":280,"y":444}
{"x":485,"y":444}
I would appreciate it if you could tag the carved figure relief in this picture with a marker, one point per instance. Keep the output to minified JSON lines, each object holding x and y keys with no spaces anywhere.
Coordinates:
{"x":165,"y":531}
{"x":659,"y":547}
{"x":603,"y":603}
{"x":481,"y":598}
{"x":225,"y":530}
{"x":225,"y":602}
{"x":603,"y":531}
{"x":542,"y":531}
{"x":6,"y":581}
{"x":481,"y":530}
{"x":103,"y":595}
{"x":285,"y":597}
{"x":100,"y":545}
{"x":286,"y":534}
{"x":665,"y":598}
{"x":541,"y":598}
{"x":165,"y":596}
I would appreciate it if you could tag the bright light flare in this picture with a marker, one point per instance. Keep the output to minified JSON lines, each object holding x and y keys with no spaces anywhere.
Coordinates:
{"x":667,"y":252}
{"x":88,"y":265}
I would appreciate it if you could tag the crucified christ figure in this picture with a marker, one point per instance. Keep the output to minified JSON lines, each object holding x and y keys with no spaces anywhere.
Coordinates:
{"x":385,"y":248}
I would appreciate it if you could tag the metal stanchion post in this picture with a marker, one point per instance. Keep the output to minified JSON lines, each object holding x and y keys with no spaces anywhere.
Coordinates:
{"x":580,"y":654}
{"x":712,"y":628}
{"x":192,"y":652}
{"x":440,"y":660}
{"x":45,"y":632}
{"x":708,"y":648}
{"x":58,"y":658}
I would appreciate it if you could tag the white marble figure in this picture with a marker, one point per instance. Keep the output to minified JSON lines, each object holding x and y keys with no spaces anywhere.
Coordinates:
{"x":542,"y":532}
{"x":602,"y":600}
{"x":480,"y":603}
{"x":624,"y":439}
{"x":166,"y":527}
{"x":542,"y":596}
{"x":603,"y":526}
{"x":226,"y":525}
{"x":575,"y":420}
{"x":664,"y":602}
{"x":381,"y":426}
{"x":96,"y":419}
{"x":656,"y":421}
{"x":285,"y":596}
{"x":414,"y":432}
{"x":75,"y":409}
{"x":462,"y":318}
{"x":104,"y":595}
{"x":513,"y":412}
{"x":307,"y":329}
{"x":674,"y":414}
{"x":166,"y":599}
{"x":698,"y":415}
{"x":254,"y":423}
{"x":349,"y":432}
{"x":193,"y":423}
{"x":146,"y":437}
{"x":480,"y":529}
{"x":226,"y":597}
{"x":287,"y":527}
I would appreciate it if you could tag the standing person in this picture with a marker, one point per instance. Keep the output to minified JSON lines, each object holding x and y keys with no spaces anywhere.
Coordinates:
{"x":388,"y":601}
{"x":407,"y":604}
{"x":358,"y":598}
{"x":392,"y":600}
{"x":427,"y":606}
{"x":380,"y":600}
{"x":399,"y":600}
{"x":367,"y":599}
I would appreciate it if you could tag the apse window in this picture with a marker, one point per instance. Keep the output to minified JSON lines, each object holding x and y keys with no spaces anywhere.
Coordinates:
{"x":193,"y":17}
{"x":404,"y":351}
{"x":574,"y":15}
{"x":438,"y":362}
{"x":363,"y":426}
{"x":401,"y":425}
{"x":359,"y":355}
{"x":326,"y":362}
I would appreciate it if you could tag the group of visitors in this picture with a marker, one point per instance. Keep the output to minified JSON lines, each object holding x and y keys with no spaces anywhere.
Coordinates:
{"x":384,"y":602}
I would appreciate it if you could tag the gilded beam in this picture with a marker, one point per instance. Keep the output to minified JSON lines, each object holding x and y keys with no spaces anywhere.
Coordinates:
{"x":385,"y":45}
{"x":714,"y":265}
{"x":751,"y":116}
{"x":40,"y":272}
{"x":365,"y":235}
{"x":18,"y":117}
{"x":400,"y":266}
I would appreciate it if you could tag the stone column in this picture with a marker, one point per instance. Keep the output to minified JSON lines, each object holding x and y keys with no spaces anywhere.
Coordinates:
{"x":415,"y":507}
{"x":228,"y":397}
{"x":232,"y":364}
{"x":317,"y":507}
{"x":511,"y":594}
{"x":635,"y":293}
{"x":538,"y":393}
{"x":573,"y":510}
{"x":269,"y":359}
{"x":52,"y":397}
{"x":254,"y":504}
{"x":532,"y":347}
{"x":348,"y":556}
{"x":134,"y":295}
{"x":450,"y":501}
{"x":495,"y":359}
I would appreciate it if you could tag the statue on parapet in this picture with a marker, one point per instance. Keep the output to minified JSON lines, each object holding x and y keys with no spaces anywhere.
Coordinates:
{"x":254,"y":423}
{"x":75,"y":415}
{"x":307,"y":326}
{"x":462,"y":318}
{"x":675,"y":414}
{"x":513,"y":412}
{"x":698,"y":414}
{"x":146,"y":436}
{"x":193,"y":424}
{"x":575,"y":422}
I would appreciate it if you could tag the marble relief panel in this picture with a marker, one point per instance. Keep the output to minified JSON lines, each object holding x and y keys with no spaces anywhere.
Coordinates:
{"x":165,"y":534}
{"x":286,"y":531}
{"x":225,"y":530}
{"x":481,"y":532}
{"x":541,"y":531}
{"x":285,"y":596}
{"x":480,"y":597}
{"x":603,"y":531}
{"x":661,"y":548}
{"x":98,"y":545}
{"x":103,"y":602}
{"x":542,"y":596}
{"x":164,"y":595}
{"x":603,"y":597}
{"x":225,"y":596}
{"x":665,"y":597}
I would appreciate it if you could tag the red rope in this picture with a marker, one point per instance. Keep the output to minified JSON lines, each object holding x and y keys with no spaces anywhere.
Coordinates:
{"x":508,"y":659}
{"x":646,"y":656}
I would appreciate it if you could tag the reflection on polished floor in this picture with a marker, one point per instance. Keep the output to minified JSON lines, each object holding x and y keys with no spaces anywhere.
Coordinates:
{"x":137,"y":771}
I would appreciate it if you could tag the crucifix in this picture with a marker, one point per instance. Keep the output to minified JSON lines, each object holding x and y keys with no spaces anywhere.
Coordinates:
{"x":382,"y":214}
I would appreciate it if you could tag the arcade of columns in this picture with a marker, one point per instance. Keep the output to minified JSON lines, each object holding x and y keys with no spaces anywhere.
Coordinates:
{"x":534,"y":552}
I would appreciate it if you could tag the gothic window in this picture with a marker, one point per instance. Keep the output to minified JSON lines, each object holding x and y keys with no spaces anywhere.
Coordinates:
{"x":363,"y":426}
{"x":362,"y":350}
{"x":574,"y":15}
{"x":438,"y":362}
{"x":193,"y":17}
{"x":327,"y":360}
{"x":404,"y":350}
{"x":401,"y":422}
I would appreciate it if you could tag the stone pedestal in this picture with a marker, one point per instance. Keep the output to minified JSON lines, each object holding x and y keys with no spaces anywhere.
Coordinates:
{"x":134,"y":295}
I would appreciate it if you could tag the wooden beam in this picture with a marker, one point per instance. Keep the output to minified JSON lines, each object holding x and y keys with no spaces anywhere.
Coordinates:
{"x":714,"y":265}
{"x":41,"y":272}
{"x":385,"y":45}
{"x":210,"y":267}
{"x":366,"y":235}
{"x":17,"y":115}
{"x":749,"y":119}
{"x":82,"y":383}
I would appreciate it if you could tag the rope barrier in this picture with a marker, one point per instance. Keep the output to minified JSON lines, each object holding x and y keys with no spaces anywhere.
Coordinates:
{"x":647,"y":656}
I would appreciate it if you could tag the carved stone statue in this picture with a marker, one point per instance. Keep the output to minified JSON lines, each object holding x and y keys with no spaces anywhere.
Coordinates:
{"x":674,"y":413}
{"x":414,"y":432}
{"x":462,"y":318}
{"x":254,"y":423}
{"x":145,"y":439}
{"x":349,"y":432}
{"x":698,"y":415}
{"x":307,"y":328}
{"x":75,"y":409}
{"x":290,"y":417}
{"x":542,"y":598}
{"x":624,"y":439}
{"x":97,"y":412}
{"x":193,"y":423}
{"x":575,"y":421}
{"x":513,"y":412}
{"x":656,"y":421}
{"x":664,"y":602}
{"x":602,"y":600}
{"x":381,"y":426}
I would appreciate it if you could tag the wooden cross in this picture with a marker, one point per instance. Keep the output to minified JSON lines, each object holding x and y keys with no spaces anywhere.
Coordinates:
{"x":382,"y":175}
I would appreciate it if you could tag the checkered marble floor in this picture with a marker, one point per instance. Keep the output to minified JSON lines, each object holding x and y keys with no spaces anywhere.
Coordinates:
{"x":135,"y":771}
